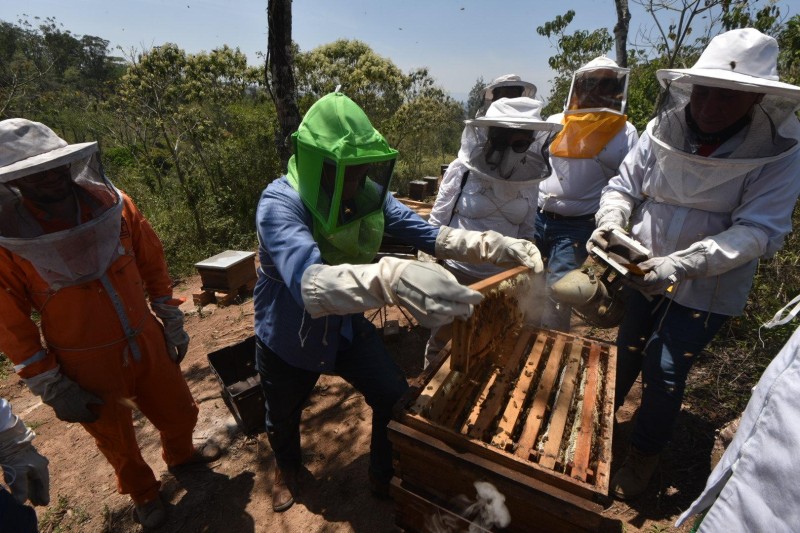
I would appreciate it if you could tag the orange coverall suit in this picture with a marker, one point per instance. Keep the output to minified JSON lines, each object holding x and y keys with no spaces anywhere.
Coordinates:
{"x":105,"y":338}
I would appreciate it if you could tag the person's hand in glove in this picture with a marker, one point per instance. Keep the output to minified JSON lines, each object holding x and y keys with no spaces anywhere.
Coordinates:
{"x":430,"y":293}
{"x":600,"y":237}
{"x":433,"y":296}
{"x":660,"y":273}
{"x":70,"y":402}
{"x":487,"y":247}
{"x":611,"y":220}
{"x":171,"y":316}
{"x":24,"y":469}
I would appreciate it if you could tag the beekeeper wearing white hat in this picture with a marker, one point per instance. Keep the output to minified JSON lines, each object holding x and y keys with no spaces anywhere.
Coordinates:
{"x":77,"y":250}
{"x":493,"y":183}
{"x":584,"y":155}
{"x":505,"y":86}
{"x":710,"y":189}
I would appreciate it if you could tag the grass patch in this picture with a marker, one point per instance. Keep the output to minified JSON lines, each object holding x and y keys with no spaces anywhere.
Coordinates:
{"x":62,"y":517}
{"x":6,"y":366}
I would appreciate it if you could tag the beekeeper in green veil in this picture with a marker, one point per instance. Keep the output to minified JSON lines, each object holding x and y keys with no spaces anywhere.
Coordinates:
{"x":319,"y":228}
{"x":341,"y":168}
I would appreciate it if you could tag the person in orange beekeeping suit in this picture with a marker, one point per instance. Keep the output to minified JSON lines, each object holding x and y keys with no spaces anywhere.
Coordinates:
{"x":77,"y":251}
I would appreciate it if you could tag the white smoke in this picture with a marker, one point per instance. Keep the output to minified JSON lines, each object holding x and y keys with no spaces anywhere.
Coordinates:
{"x":488,"y":510}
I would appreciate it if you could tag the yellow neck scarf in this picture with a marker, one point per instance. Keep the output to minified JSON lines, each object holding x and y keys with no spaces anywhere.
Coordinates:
{"x":586,"y":134}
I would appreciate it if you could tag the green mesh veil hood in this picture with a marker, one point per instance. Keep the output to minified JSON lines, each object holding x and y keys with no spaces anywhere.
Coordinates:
{"x":336,"y":133}
{"x":337,"y":125}
{"x":336,"y":128}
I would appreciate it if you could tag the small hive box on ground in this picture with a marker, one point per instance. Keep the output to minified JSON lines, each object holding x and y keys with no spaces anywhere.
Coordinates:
{"x":227,"y":271}
{"x":528,"y":410}
{"x":235,"y":369}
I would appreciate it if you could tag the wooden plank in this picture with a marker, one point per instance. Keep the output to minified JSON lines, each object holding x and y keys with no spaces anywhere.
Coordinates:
{"x":466,"y":417}
{"x":583,"y":443}
{"x":453,"y":383}
{"x":415,"y":512}
{"x":509,"y":354}
{"x":479,"y":378}
{"x":539,"y":406}
{"x":496,"y":397}
{"x":491,"y":282}
{"x":203,"y":298}
{"x":566,"y":393}
{"x":429,"y":389}
{"x":246,"y":290}
{"x":428,"y":466}
{"x":458,"y":401}
{"x":456,"y":441}
{"x":511,"y":414}
{"x":607,"y":422}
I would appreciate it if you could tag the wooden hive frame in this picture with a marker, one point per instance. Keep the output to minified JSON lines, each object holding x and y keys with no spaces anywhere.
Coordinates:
{"x":494,"y":316}
{"x":542,"y":401}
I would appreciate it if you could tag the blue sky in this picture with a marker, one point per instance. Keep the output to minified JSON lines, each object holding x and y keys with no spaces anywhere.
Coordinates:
{"x":458,"y":40}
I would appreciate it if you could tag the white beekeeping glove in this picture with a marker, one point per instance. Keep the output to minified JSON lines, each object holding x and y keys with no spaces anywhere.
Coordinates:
{"x":615,"y":209}
{"x":69,"y":400}
{"x":168,"y":310}
{"x":487,"y":247}
{"x":712,"y":256}
{"x":24,"y":469}
{"x":430,"y":293}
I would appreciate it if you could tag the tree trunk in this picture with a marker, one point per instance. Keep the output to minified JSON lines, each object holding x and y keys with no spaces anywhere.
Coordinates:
{"x":621,"y":31}
{"x":280,"y":70}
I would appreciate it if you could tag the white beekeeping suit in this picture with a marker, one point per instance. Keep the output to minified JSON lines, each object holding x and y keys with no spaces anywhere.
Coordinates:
{"x":492,"y":186}
{"x":709,"y":189}
{"x":754,"y":486}
{"x":584,"y":155}
{"x":714,"y":203}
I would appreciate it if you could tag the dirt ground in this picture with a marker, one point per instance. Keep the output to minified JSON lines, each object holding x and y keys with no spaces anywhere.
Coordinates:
{"x":232,"y":494}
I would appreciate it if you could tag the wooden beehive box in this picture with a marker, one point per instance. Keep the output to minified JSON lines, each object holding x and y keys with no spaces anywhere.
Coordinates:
{"x":528,"y":410}
{"x":227,"y":271}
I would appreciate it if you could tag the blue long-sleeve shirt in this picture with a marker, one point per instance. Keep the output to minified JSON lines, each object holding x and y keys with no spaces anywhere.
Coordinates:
{"x":287,"y":248}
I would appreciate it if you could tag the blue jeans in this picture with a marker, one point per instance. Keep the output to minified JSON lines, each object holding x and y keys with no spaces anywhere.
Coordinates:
{"x":365,"y":364}
{"x":15,"y":516}
{"x":661,"y":339}
{"x":563,"y":244}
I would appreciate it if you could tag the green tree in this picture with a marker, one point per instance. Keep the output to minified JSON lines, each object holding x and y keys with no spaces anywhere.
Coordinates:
{"x":475,"y":97}
{"x":573,"y":51}
{"x":23,"y":68}
{"x":425,"y":129}
{"x":789,"y":57}
{"x":51,"y":75}
{"x":171,"y":111}
{"x":766,"y":18}
{"x":643,"y":88}
{"x":416,"y":116}
{"x":373,"y":82}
